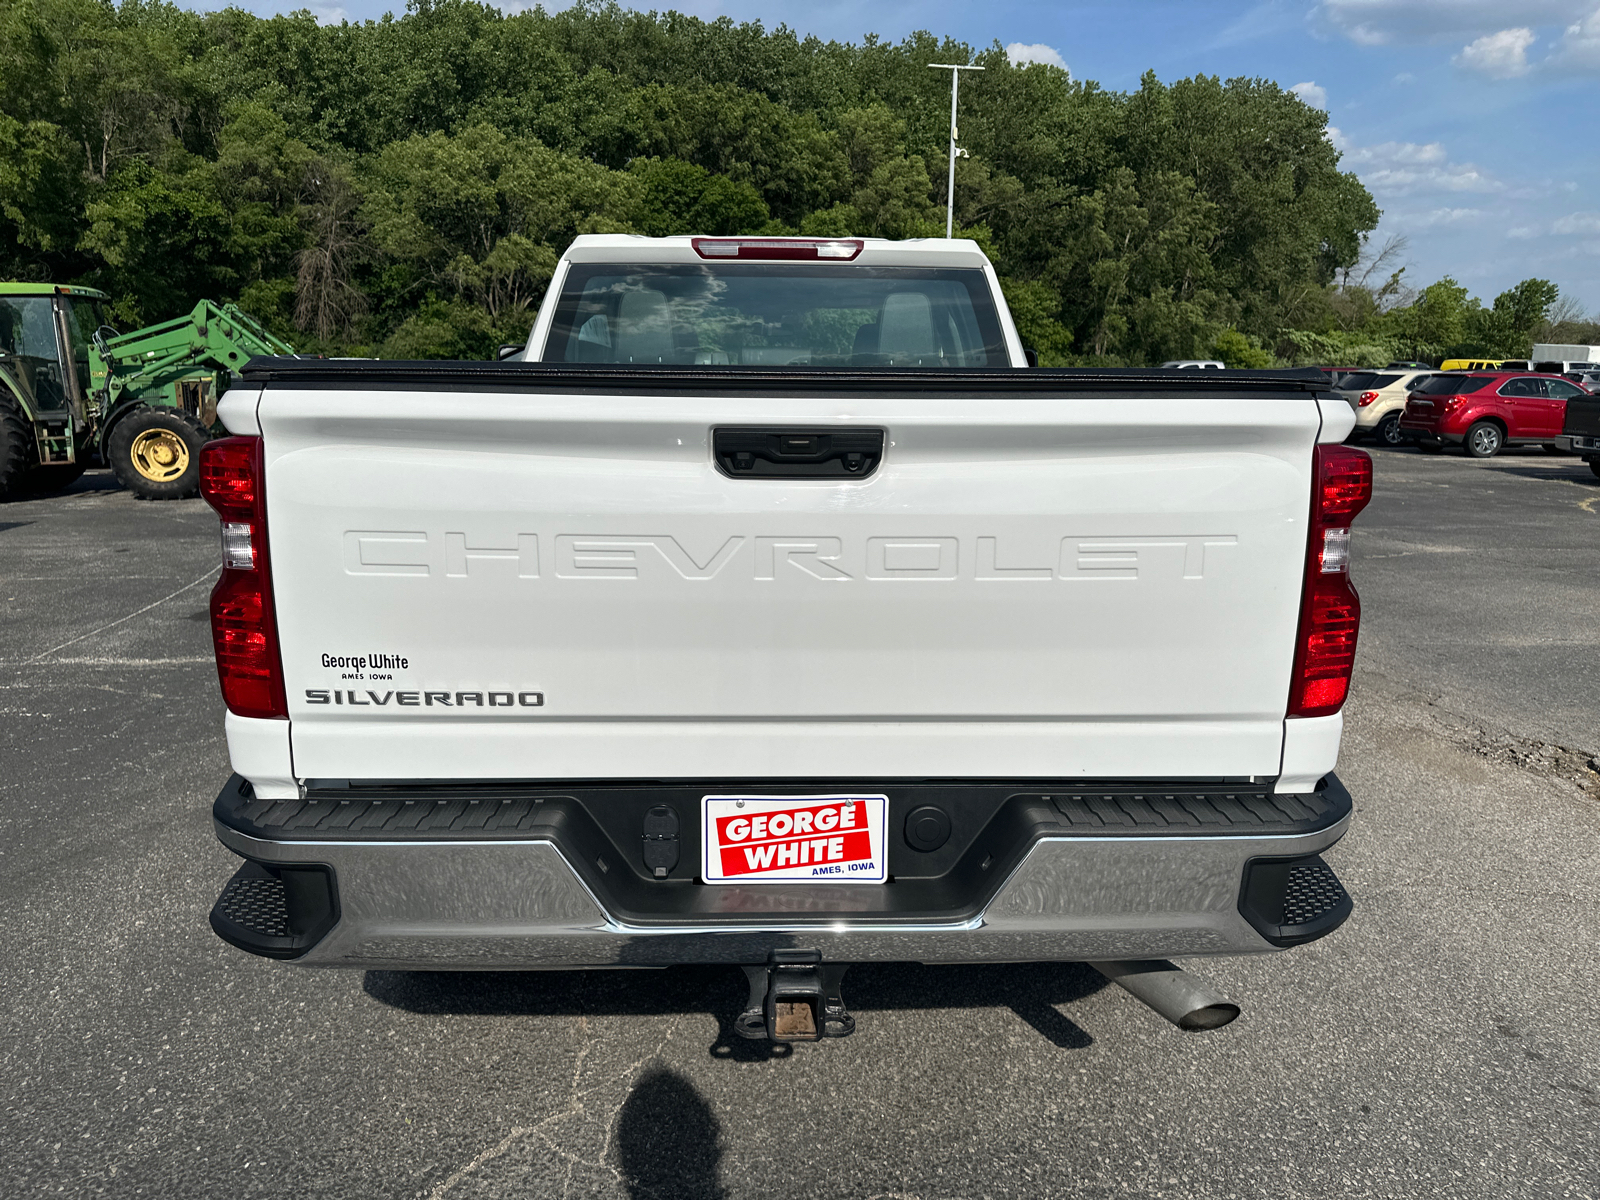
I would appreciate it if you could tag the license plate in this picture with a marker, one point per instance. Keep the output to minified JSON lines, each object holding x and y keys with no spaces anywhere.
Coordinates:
{"x":794,"y":839}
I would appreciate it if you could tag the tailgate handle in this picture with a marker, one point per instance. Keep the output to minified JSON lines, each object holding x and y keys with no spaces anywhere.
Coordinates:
{"x":786,"y":453}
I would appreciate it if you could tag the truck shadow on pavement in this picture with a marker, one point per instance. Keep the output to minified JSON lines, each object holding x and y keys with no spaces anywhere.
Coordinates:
{"x":1032,"y":991}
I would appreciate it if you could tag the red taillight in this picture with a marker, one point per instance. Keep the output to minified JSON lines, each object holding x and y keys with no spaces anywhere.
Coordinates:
{"x":244,"y":627}
{"x":1330,"y":610}
{"x":1366,"y":398}
{"x":809,"y":249}
{"x":228,"y":477}
{"x":1343,"y":484}
{"x":1451,"y":403}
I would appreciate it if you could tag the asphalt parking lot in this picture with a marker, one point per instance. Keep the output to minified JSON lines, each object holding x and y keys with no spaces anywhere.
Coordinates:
{"x":1444,"y":1043}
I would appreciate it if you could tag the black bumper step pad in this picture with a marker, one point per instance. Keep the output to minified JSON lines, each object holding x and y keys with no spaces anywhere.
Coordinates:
{"x":1142,"y":808}
{"x":1291,"y":901}
{"x":275,"y":911}
{"x":443,"y":813}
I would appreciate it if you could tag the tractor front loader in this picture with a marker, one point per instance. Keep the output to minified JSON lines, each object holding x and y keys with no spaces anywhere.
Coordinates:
{"x":71,"y":387}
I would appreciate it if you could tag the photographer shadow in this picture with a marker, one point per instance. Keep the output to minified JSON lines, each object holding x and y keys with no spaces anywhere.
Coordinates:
{"x":668,"y":1141}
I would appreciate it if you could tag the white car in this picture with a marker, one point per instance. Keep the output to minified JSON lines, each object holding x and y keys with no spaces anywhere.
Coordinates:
{"x":1378,"y":399}
{"x":770,"y":614}
{"x":1204,"y":364}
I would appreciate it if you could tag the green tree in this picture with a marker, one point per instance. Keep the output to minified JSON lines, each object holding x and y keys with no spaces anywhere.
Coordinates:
{"x":164,"y":237}
{"x":1035,"y":307}
{"x":1508,"y":329}
{"x":1436,"y":321}
{"x":680,"y":197}
{"x":481,"y":217}
{"x":1238,"y":351}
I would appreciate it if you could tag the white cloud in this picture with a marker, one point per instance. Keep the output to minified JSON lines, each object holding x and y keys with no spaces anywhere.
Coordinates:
{"x":1313,"y":95}
{"x":1404,"y":168}
{"x":1478,"y":25}
{"x":1578,"y":222}
{"x":1023,"y":53}
{"x":1522,"y":232}
{"x":1390,"y":22}
{"x":1405,"y":77}
{"x":1580,"y":46}
{"x":1445,"y":216}
{"x":1502,"y":55}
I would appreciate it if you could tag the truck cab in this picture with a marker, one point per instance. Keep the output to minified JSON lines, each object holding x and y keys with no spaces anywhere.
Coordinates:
{"x":720,"y":302}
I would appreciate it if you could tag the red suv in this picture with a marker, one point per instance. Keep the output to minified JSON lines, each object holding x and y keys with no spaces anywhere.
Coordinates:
{"x":1486,"y":411}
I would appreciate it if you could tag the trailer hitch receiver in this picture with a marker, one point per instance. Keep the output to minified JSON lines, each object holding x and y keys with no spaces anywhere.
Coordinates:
{"x":794,"y":997}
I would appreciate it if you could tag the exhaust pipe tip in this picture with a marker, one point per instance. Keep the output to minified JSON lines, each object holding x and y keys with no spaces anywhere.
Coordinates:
{"x":1212,"y":1016}
{"x":1186,"y":1000}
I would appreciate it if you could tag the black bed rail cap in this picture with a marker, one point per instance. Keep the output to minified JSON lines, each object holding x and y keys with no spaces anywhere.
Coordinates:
{"x":564,"y":377}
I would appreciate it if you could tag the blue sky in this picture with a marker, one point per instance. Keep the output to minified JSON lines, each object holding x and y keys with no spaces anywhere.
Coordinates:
{"x":1471,"y":121}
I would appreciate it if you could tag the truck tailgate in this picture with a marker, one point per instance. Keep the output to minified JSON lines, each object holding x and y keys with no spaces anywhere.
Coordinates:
{"x":510,"y":583}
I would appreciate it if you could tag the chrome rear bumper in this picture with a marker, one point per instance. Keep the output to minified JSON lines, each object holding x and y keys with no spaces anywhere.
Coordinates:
{"x":502,"y":903}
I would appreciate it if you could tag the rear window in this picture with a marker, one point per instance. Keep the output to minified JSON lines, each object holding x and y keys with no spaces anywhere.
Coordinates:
{"x":1449,"y":385}
{"x":775,"y":315}
{"x":1383,"y":381}
{"x":1357,"y":381}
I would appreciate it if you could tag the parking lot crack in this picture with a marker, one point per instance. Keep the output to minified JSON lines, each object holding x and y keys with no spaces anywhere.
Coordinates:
{"x":123,"y":620}
{"x":1533,"y":755}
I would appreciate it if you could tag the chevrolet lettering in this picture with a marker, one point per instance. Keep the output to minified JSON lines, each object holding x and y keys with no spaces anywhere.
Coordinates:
{"x":984,"y":559}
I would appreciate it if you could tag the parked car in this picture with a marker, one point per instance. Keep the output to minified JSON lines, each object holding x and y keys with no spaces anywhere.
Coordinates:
{"x":1408,"y":365}
{"x":1335,"y":374}
{"x":1588,"y":380}
{"x":1581,"y":429}
{"x":1473,"y":364}
{"x":1188,"y":364}
{"x":1378,"y":402}
{"x":1486,"y":412}
{"x":1355,"y":380}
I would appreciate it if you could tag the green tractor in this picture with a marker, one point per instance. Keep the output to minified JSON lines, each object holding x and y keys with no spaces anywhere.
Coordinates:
{"x":71,"y":388}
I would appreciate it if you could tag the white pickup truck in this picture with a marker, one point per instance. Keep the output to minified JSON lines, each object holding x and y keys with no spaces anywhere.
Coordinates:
{"x":767,"y":611}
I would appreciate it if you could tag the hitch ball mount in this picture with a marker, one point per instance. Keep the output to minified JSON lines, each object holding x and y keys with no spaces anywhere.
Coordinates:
{"x":794,"y":997}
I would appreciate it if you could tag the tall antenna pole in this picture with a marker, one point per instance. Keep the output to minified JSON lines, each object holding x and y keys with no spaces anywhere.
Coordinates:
{"x":955,"y":70}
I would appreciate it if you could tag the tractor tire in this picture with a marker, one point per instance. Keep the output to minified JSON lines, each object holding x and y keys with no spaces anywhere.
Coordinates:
{"x":16,"y":449}
{"x":53,"y":477}
{"x":155,"y":453}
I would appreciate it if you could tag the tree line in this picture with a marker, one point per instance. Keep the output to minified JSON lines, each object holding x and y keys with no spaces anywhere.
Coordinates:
{"x":404,"y":187}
